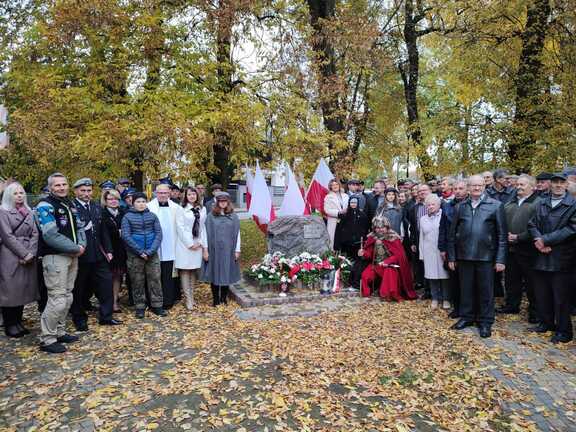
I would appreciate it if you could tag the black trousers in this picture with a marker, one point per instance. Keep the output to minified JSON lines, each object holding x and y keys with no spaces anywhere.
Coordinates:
{"x":553,"y":292}
{"x":168,"y":287}
{"x":12,"y":315}
{"x":358,"y":266}
{"x":42,"y":288}
{"x":519,"y":275}
{"x":219,"y":294}
{"x":99,"y":276}
{"x":454,"y":282}
{"x":498,"y":284}
{"x":477,"y":291}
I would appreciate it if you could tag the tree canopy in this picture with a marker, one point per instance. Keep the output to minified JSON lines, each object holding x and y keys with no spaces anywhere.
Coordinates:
{"x":197,"y":88}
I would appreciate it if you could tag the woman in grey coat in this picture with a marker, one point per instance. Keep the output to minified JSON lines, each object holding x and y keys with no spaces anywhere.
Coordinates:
{"x":221,"y":248}
{"x":18,"y":251}
{"x":392,"y":210}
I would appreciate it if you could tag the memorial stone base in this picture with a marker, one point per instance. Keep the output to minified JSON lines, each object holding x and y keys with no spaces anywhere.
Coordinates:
{"x":249,"y":294}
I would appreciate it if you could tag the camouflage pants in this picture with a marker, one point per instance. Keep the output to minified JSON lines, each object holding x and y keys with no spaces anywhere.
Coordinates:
{"x":145,"y":273}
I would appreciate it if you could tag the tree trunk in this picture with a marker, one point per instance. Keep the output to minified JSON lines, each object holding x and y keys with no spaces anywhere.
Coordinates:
{"x":531,"y":118}
{"x":321,"y":12}
{"x":224,"y":16}
{"x":409,"y":72}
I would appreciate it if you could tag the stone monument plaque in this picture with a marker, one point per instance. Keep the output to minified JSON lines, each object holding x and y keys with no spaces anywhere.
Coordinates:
{"x":293,"y":235}
{"x":313,"y":231}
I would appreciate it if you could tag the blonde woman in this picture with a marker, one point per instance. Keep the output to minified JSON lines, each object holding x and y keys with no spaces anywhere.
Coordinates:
{"x":18,"y":253}
{"x":335,"y":205}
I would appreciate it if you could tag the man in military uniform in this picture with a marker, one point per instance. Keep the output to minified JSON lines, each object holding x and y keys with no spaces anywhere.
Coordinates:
{"x":62,"y":242}
{"x":94,"y":273}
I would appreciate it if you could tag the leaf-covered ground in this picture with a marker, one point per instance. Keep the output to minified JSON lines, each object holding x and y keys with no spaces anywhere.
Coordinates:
{"x":361,"y":366}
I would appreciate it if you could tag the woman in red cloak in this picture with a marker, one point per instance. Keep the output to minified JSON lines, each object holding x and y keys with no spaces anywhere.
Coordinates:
{"x":388,"y":263}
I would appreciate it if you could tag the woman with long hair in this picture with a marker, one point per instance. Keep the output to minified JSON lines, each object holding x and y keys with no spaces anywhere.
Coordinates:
{"x":335,"y":205}
{"x":18,"y":259}
{"x":189,"y":227}
{"x":112,"y":215}
{"x":391,"y":210}
{"x":221,"y":248}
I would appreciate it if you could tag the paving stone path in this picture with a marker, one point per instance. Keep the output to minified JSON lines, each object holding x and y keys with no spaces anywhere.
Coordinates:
{"x":544,"y":376}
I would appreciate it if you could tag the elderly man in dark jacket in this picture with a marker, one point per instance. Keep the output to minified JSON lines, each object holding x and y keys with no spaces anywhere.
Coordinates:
{"x":553,"y":229}
{"x":477,"y":243}
{"x":522,"y":252}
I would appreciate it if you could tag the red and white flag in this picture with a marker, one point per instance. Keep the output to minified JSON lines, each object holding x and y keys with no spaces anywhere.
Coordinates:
{"x":261,"y":208}
{"x":293,"y":203}
{"x":249,"y":186}
{"x":318,"y":188}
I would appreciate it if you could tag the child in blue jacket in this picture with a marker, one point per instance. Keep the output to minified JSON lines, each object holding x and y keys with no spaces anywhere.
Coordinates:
{"x":142,"y":234}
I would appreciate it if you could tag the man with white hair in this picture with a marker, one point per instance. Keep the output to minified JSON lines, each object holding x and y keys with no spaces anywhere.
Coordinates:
{"x":522,"y":253}
{"x":167,"y":211}
{"x":477,"y":245}
{"x":63,"y":241}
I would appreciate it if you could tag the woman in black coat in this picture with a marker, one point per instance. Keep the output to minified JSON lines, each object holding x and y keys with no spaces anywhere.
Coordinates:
{"x":351,"y":229}
{"x":112,"y":215}
{"x":352,"y":226}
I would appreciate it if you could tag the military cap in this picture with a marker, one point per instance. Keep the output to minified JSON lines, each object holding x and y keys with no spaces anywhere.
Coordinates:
{"x":127,"y":192}
{"x":85,"y":181}
{"x":558,"y":176}
{"x":166,"y":180}
{"x":107,"y":184}
{"x":544,"y":176}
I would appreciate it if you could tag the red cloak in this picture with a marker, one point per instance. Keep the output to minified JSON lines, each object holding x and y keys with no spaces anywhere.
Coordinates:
{"x":398,"y":257}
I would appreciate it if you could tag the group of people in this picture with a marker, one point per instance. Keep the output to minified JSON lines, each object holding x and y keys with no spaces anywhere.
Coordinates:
{"x":464,"y":242}
{"x":65,"y":251}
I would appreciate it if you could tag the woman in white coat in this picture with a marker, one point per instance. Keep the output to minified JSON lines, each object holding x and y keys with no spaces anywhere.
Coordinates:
{"x":434,"y":270}
{"x":335,"y":205}
{"x":189,"y":227}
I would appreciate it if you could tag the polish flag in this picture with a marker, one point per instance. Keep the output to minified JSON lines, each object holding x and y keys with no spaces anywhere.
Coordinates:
{"x":249,"y":186}
{"x":318,"y":188}
{"x":261,"y":208}
{"x":293,"y":203}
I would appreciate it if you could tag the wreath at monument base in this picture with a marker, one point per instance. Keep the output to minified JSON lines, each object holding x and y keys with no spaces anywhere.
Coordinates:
{"x":308,"y":271}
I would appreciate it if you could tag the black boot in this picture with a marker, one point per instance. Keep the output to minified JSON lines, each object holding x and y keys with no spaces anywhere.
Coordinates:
{"x":215,"y":295}
{"x":13,"y":331}
{"x":224,"y":294}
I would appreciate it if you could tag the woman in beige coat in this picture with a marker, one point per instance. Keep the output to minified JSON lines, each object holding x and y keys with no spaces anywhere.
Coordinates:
{"x":335,"y":205}
{"x":18,"y":251}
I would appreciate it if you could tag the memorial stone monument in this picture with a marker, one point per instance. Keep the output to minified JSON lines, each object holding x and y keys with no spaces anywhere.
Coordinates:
{"x":293,"y":235}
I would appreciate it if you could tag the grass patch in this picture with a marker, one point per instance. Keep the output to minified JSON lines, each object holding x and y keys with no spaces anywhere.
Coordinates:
{"x":253,"y":244}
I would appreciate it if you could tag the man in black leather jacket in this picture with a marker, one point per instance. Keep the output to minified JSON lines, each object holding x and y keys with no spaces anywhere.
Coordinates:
{"x":477,"y":245}
{"x":553,"y":229}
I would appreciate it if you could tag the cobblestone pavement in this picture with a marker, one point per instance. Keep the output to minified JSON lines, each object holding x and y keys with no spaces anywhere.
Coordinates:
{"x":196,"y":375}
